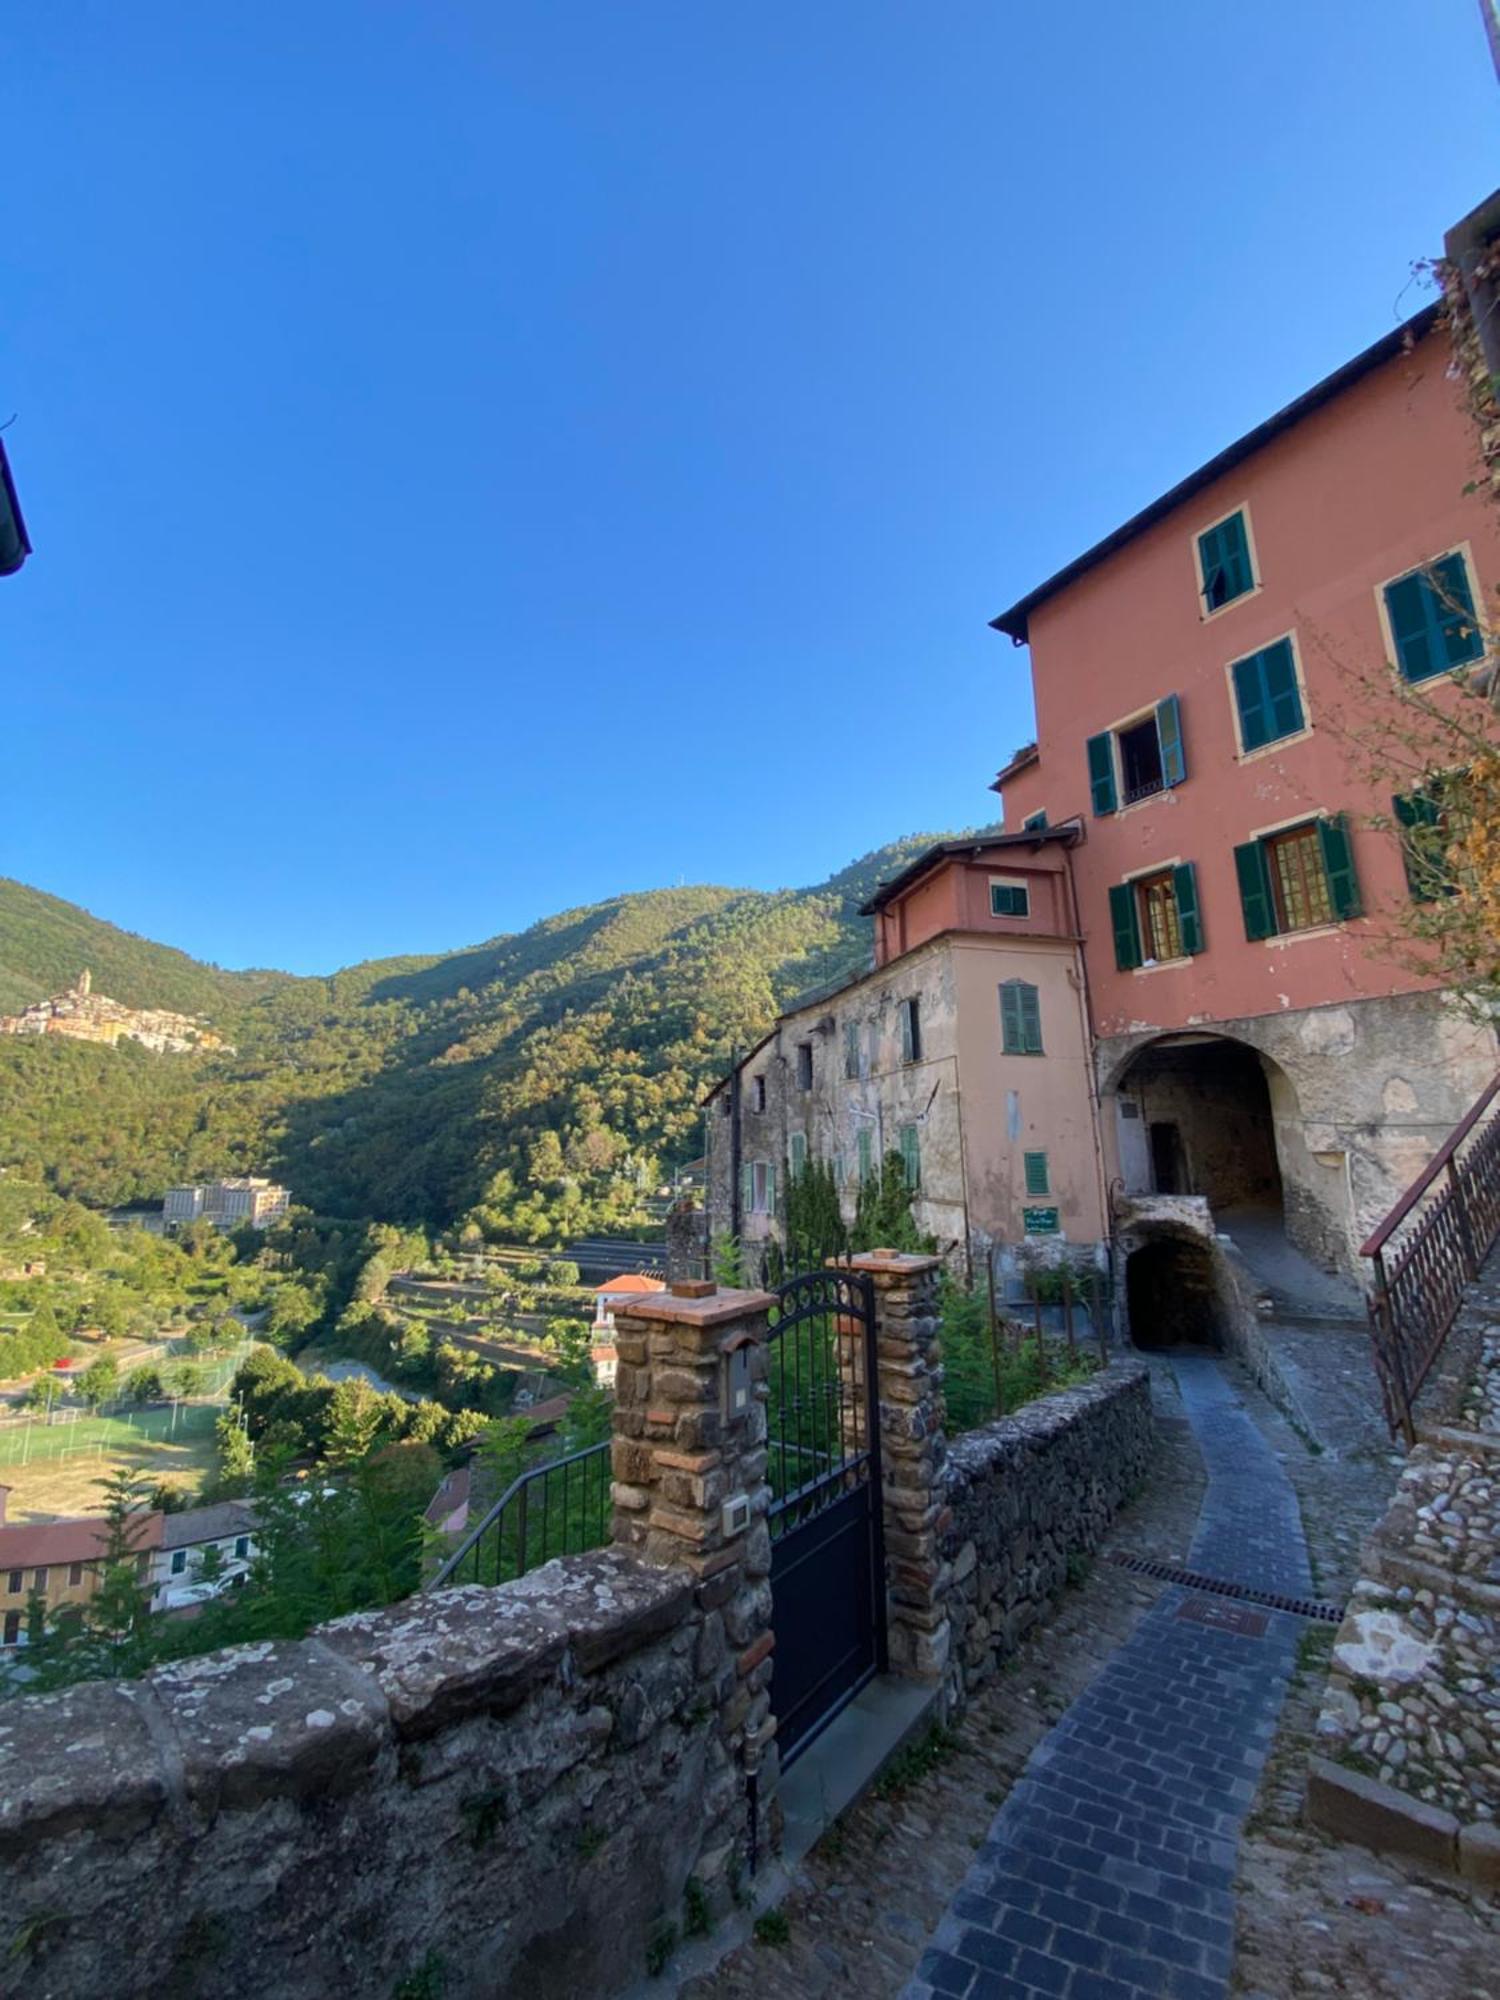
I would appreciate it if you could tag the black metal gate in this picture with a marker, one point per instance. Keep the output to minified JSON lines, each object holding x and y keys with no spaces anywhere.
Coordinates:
{"x":827,"y":1546}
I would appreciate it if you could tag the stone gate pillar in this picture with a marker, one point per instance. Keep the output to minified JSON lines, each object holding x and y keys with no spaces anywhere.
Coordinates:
{"x":913,"y":1453}
{"x":688,"y":1458}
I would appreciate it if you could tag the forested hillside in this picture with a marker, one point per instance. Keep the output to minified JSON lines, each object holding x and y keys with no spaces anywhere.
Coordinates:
{"x":536,"y":1083}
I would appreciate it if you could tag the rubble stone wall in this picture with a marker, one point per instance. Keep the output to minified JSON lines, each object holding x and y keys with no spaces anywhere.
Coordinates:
{"x":478,"y":1792}
{"x":1027,"y":1496}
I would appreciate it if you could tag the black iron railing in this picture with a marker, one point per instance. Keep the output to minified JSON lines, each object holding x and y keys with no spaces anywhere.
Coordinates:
{"x":559,"y":1509}
{"x":1427,"y":1250}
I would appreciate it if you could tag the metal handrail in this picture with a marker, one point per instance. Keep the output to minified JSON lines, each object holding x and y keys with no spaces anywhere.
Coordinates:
{"x":1375,"y":1243}
{"x":516,"y":1491}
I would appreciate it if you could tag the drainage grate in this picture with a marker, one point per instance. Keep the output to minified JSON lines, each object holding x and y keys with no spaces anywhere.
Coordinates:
{"x":1300,"y":1607}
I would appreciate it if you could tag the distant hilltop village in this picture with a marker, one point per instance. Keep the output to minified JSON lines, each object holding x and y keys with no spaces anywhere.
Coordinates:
{"x":87,"y":1016}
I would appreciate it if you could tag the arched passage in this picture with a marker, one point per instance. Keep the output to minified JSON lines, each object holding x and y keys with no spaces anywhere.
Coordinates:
{"x":1195,"y":1116}
{"x":1172,"y":1295}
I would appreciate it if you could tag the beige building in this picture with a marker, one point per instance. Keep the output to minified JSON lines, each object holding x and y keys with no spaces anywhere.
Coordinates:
{"x":964,"y":1049}
{"x":227,"y":1204}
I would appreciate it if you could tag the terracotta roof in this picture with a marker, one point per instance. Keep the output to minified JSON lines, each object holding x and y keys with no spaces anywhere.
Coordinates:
{"x":206,"y":1524}
{"x":1015,"y":622}
{"x":40,"y":1544}
{"x":632,"y":1281}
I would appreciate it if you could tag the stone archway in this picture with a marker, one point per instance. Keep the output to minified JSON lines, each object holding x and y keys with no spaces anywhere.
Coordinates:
{"x":1197,"y":1115}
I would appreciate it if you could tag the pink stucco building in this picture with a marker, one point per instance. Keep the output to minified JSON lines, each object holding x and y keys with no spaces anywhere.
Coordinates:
{"x":1196,"y":678}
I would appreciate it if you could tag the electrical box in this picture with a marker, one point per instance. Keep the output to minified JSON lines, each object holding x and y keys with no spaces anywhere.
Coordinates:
{"x":737,"y":1394}
{"x":735,"y":1517}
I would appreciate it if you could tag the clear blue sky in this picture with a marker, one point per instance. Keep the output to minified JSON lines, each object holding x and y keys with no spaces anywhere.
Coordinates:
{"x":483,"y":457}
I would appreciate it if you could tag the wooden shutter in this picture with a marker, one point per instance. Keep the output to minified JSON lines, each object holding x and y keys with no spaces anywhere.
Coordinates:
{"x":1452,"y":609}
{"x":747,"y":1186}
{"x":1036,"y":1173}
{"x":911,"y":1156}
{"x":1127,"y":926}
{"x":1101,"y":753}
{"x":1031,"y":1020}
{"x":1411,"y":631}
{"x":797,"y":1149}
{"x":771,"y":1188}
{"x":1255,"y":891}
{"x":1189,"y":918}
{"x":911,"y":1033}
{"x":1169,"y":736}
{"x":863,"y":1144}
{"x":1421,"y":852}
{"x":1283,"y":696}
{"x":1338,"y":865}
{"x":1034,"y":823}
{"x":1210,"y":564}
{"x":1250,"y":700}
{"x":1010,"y":1017}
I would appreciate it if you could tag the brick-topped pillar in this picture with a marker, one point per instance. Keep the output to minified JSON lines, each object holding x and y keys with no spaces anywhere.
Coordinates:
{"x":689,"y":1437}
{"x":913,"y":1452}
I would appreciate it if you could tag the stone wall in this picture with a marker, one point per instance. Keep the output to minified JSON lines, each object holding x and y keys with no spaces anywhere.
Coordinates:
{"x":478,"y":1792}
{"x":1024,"y":1496}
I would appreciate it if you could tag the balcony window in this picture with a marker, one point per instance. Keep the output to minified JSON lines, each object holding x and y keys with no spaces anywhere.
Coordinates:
{"x":1137,"y":759}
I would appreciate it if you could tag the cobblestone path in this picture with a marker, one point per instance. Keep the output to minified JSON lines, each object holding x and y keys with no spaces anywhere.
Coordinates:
{"x":1108,"y":1874}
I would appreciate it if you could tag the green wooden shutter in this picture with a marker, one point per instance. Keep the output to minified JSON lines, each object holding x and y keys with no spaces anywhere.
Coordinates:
{"x":1452,"y":610}
{"x":1421,"y":850}
{"x":1283,"y":697}
{"x":1250,"y":700}
{"x":1010,"y":1018}
{"x":1036,"y":1173}
{"x":1127,"y":928}
{"x":1101,"y":753}
{"x":1210,"y":566}
{"x":1031,"y":1020}
{"x":863,"y":1144}
{"x":910,"y":1037}
{"x":1034,"y":823}
{"x":797,"y":1151}
{"x":1234,"y":552}
{"x":1411,"y":630}
{"x":1255,"y":891}
{"x":851,"y":1048}
{"x":1189,"y":918}
{"x":1338,"y":863}
{"x":747,"y":1187}
{"x":771,"y":1208}
{"x":1169,"y":736}
{"x":911,"y":1156}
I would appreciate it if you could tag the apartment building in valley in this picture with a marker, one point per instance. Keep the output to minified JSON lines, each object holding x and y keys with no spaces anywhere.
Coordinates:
{"x":1201,"y":680}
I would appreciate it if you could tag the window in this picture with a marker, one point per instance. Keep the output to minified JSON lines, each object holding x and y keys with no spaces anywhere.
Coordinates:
{"x":1155,"y":918}
{"x":179,"y":1561}
{"x":865,"y":1149}
{"x":39,"y":1579}
{"x":851,"y":1048}
{"x":1224,"y":568}
{"x":1020,"y":1018}
{"x":1034,"y":823}
{"x":760,"y":1093}
{"x":75,"y":1574}
{"x":1298,"y":879}
{"x":911,"y":1031}
{"x":14,"y":1582}
{"x":911,"y":1156}
{"x":1431,"y":616}
{"x":12,"y":1628}
{"x":1010,"y":899}
{"x":1144,"y":758}
{"x":804,"y":1066}
{"x":759,"y":1188}
{"x":1425,"y":822}
{"x":1267,"y":698}
{"x":840,"y":1170}
{"x":797,"y":1152}
{"x":1035,"y":1165}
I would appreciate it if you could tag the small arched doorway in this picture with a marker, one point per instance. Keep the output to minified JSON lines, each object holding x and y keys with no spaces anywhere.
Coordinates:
{"x":1172,"y":1296}
{"x":1194,"y":1117}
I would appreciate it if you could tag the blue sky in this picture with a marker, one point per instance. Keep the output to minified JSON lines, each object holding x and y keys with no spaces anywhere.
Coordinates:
{"x":484,"y":458}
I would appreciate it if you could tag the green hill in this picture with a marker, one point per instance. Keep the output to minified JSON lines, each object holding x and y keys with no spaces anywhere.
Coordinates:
{"x":536,"y":1082}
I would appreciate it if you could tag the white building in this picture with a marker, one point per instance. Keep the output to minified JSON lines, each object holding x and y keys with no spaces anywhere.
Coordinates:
{"x":228,"y":1204}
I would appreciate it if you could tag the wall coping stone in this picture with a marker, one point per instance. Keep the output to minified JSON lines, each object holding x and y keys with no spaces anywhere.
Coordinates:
{"x":714,"y":1310}
{"x":1041,"y":1420}
{"x":894,"y":1263}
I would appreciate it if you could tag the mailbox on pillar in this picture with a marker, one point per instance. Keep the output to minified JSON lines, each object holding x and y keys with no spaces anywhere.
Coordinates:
{"x":736,"y":1352}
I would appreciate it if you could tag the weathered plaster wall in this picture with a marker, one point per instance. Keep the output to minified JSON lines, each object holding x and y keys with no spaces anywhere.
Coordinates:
{"x":1026,"y":1494}
{"x":1366,"y":1092}
{"x":515,"y":1782}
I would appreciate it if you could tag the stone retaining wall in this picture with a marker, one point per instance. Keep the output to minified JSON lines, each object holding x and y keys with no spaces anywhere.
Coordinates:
{"x":1025,"y":1494}
{"x":478,"y":1792}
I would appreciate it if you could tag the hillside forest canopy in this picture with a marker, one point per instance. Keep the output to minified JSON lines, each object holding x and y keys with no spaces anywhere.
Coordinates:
{"x":526,"y":1089}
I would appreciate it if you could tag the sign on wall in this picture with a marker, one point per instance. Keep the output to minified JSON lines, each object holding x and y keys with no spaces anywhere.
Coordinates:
{"x":1040,"y":1221}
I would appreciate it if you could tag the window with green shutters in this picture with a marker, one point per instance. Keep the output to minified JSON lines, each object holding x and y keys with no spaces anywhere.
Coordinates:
{"x":1020,"y":1018}
{"x":851,"y":1048}
{"x":911,"y":1031}
{"x":1010,"y":899}
{"x":1034,"y":823}
{"x":1036,"y":1173}
{"x":1298,"y":878}
{"x":1224,"y":568}
{"x":1422,"y":818}
{"x":911,"y":1156}
{"x":1137,"y":760}
{"x":796,"y":1148}
{"x":1431,"y":614}
{"x":864,"y":1147}
{"x":1156,"y":918}
{"x":1266,"y":695}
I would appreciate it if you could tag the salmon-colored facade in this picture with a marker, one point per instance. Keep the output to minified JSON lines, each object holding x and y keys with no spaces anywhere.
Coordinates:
{"x":1364,"y":483}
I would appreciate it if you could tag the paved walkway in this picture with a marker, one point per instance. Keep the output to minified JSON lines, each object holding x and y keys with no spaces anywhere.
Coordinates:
{"x":1108,"y":1873}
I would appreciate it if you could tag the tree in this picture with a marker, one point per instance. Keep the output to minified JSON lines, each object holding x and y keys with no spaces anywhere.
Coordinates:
{"x":143,"y":1384}
{"x":236,"y":1469}
{"x":187,"y":1379}
{"x":562,"y":1272}
{"x":109,"y":1636}
{"x":43,"y":1393}
{"x":292,"y":1311}
{"x":356,"y":1419}
{"x":99,"y":1382}
{"x":883,"y":1219}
